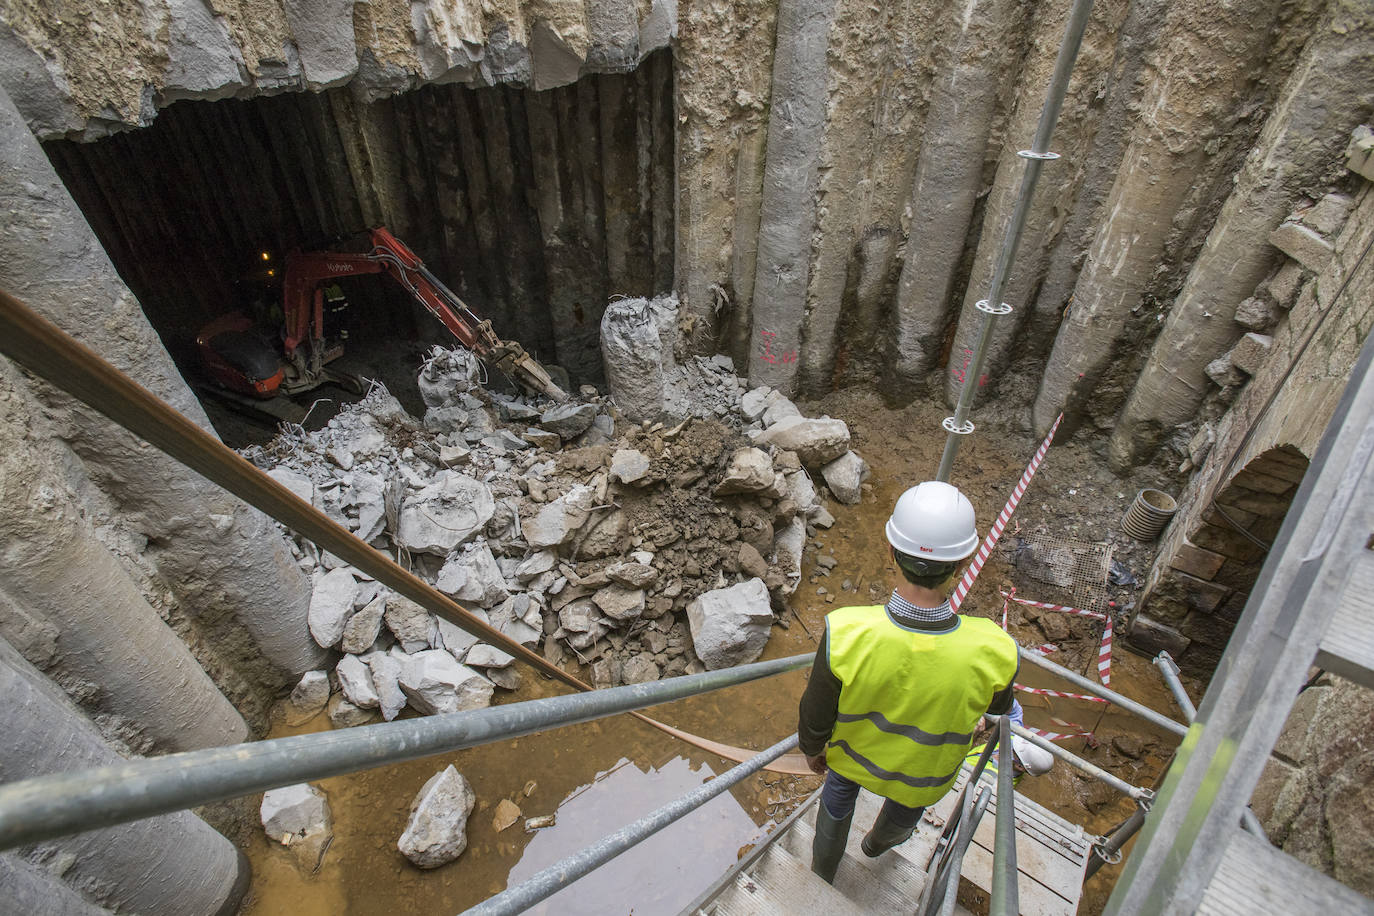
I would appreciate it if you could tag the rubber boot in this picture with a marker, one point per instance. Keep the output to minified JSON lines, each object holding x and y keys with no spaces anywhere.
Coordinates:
{"x":884,"y":836}
{"x":827,"y":849}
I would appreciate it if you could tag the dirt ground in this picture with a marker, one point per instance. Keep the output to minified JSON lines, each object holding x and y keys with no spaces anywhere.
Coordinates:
{"x":600,"y":776}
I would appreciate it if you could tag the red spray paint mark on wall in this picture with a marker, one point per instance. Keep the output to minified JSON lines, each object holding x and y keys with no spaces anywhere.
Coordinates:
{"x":768,"y":356}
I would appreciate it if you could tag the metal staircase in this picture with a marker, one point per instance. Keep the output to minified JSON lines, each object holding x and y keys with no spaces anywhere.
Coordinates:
{"x":775,"y":877}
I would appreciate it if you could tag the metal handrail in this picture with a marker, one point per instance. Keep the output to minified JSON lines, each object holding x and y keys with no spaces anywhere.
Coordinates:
{"x":1168,"y":669}
{"x":1125,"y":702}
{"x":61,"y":803}
{"x":1004,"y":895}
{"x":936,"y":870}
{"x":566,"y":871}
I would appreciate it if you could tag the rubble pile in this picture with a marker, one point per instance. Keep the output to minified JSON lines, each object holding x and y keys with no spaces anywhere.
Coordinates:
{"x":639,"y":549}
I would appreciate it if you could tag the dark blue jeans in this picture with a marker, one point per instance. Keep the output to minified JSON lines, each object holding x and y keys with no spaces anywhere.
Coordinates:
{"x":840,"y":793}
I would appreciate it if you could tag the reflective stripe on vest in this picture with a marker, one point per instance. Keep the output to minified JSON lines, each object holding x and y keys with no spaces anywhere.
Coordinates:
{"x":910,"y":700}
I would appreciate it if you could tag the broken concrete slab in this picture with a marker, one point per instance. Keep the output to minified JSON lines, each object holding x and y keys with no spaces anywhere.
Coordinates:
{"x":731,"y":625}
{"x":484,"y":656}
{"x":454,"y":639}
{"x":300,"y":485}
{"x":444,"y":514}
{"x":1257,"y":314}
{"x":343,"y":714}
{"x":436,"y":831}
{"x":754,"y":402}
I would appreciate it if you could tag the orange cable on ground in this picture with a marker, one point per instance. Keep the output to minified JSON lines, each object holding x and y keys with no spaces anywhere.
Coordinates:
{"x":46,"y":350}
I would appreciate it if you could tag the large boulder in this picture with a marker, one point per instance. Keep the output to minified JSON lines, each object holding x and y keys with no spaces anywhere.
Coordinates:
{"x":409,"y":623}
{"x":436,"y":832}
{"x":311,"y":693}
{"x":331,"y":604}
{"x":816,"y":442}
{"x":730,"y":625}
{"x":444,"y":514}
{"x":436,"y":683}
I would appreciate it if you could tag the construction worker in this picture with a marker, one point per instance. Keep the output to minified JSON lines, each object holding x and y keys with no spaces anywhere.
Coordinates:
{"x":896,"y":690}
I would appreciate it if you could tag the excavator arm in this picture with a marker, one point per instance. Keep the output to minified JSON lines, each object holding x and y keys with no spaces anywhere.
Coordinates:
{"x":304,"y":307}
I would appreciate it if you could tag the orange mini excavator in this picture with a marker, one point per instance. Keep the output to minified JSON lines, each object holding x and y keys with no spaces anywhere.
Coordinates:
{"x":238,"y":356}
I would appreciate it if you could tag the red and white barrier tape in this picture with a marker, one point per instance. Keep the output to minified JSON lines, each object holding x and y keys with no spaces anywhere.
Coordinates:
{"x":1045,"y":692}
{"x":1079,"y":731}
{"x":1011,"y":596}
{"x":995,"y":532}
{"x":1104,"y":655}
{"x":1045,"y":648}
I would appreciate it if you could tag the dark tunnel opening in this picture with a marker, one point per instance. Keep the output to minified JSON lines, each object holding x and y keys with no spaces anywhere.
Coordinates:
{"x":534,"y":207}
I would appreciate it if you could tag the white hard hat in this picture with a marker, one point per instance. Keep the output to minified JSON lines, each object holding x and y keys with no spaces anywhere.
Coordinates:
{"x":1033,"y":757}
{"x":933,"y":521}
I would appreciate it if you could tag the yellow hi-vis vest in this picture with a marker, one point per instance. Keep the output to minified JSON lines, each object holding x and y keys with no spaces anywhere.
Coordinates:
{"x":910,"y":699}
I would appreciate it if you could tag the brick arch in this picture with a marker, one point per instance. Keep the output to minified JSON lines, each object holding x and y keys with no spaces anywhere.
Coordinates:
{"x":1208,"y":579}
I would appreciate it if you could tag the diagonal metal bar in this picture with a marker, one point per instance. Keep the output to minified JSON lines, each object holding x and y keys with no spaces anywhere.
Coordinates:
{"x":61,"y":803}
{"x":1125,"y":702}
{"x":566,"y":871}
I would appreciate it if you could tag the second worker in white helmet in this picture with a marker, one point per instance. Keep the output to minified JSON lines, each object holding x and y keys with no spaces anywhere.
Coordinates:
{"x":897,"y":690}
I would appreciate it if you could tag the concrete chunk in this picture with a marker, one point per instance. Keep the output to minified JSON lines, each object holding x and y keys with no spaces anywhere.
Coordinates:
{"x":436,"y":683}
{"x":730,"y":625}
{"x":1250,"y":353}
{"x":362,"y":628}
{"x":331,"y":604}
{"x":816,"y":442}
{"x":355,"y":680}
{"x":444,"y":514}
{"x":629,"y":465}
{"x":845,"y":476}
{"x":436,"y":831}
{"x":1303,"y":244}
{"x":750,"y":471}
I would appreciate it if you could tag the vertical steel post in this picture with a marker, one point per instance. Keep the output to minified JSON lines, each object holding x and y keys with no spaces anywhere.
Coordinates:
{"x":992,"y":307}
{"x":1004,"y":894}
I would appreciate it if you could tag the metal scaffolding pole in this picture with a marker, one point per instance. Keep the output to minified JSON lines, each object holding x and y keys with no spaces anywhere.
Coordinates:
{"x":993,"y":307}
{"x":61,"y":803}
{"x":1004,"y":892}
{"x":564,"y":872}
{"x":1125,"y":702}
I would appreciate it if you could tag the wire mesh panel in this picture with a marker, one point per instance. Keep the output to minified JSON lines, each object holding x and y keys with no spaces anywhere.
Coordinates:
{"x":1060,"y":570}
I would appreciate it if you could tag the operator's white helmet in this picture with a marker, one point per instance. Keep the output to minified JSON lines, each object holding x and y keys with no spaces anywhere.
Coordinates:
{"x":1033,"y":757}
{"x":933,"y":521}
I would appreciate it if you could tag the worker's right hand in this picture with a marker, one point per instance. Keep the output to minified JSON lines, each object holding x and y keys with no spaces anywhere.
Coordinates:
{"x":817,"y":764}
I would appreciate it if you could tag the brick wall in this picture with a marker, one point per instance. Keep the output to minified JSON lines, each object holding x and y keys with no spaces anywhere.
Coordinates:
{"x":1206,"y":581}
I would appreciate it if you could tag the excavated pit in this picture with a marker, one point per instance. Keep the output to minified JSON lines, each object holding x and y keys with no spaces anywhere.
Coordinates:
{"x":534,"y":207}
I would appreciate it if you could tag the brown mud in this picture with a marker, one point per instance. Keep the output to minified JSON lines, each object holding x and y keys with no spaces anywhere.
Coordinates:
{"x":601,"y":776}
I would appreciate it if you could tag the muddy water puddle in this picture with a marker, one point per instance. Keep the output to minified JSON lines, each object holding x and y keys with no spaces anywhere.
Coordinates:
{"x":598,"y":777}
